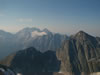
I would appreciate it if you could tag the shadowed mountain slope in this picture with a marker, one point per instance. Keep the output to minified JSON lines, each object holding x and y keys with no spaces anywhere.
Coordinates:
{"x":31,"y":60}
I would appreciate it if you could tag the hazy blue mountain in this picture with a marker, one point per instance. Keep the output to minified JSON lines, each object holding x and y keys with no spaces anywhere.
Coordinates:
{"x":6,"y":43}
{"x":42,"y":40}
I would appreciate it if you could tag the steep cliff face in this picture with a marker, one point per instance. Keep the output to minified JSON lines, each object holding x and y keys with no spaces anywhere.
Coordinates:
{"x":81,"y":53}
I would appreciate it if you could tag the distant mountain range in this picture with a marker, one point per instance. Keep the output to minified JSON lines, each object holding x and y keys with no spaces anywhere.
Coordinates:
{"x":42,"y":40}
{"x":78,"y":55}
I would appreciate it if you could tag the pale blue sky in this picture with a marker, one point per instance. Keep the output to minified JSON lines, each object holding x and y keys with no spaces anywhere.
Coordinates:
{"x":64,"y":16}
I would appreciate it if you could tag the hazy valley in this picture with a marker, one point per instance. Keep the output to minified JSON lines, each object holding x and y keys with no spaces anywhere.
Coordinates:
{"x":33,"y":51}
{"x":42,"y":40}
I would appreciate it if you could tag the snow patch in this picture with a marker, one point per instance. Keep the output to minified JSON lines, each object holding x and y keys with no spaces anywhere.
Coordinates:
{"x":60,"y":72}
{"x":36,"y":33}
{"x":1,"y":69}
{"x":19,"y":74}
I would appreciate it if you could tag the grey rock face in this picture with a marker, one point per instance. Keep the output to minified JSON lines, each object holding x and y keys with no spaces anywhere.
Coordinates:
{"x":81,"y":53}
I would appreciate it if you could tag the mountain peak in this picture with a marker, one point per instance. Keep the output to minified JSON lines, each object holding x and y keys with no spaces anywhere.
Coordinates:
{"x":46,"y":30}
{"x":81,"y":34}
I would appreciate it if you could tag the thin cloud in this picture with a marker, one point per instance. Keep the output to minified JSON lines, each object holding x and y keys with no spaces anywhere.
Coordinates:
{"x":24,"y":20}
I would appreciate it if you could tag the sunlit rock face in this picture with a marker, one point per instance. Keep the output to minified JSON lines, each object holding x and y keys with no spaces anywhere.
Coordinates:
{"x":81,"y":53}
{"x":97,"y":73}
{"x":71,"y":73}
{"x":19,"y":74}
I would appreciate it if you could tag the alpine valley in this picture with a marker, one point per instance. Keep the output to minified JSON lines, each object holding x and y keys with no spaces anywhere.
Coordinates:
{"x":42,"y":40}
{"x":41,"y":52}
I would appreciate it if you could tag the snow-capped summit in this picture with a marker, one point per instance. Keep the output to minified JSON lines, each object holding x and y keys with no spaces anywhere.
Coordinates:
{"x":36,"y":33}
{"x":32,"y":32}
